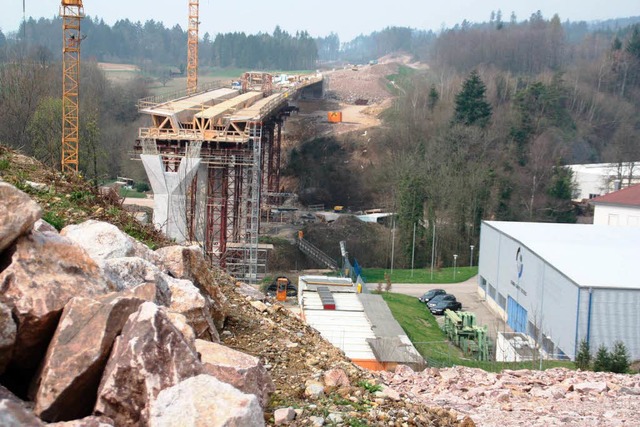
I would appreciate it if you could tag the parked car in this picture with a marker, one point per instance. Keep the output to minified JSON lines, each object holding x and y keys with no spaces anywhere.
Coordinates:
{"x":443,"y":305}
{"x":435,"y":300}
{"x":430,"y":294}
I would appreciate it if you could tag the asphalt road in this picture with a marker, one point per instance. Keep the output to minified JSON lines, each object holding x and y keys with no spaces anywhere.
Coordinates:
{"x":465,"y":292}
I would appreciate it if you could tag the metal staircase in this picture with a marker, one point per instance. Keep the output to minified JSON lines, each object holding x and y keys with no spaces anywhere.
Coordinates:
{"x":316,"y":254}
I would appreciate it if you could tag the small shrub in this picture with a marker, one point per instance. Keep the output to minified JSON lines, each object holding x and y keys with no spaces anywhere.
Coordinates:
{"x":619,"y":358}
{"x":4,"y":164}
{"x":141,"y":187}
{"x":602,"y":362}
{"x":583,"y":358}
{"x":371,"y":388}
{"x":387,"y":280}
{"x":53,"y":219}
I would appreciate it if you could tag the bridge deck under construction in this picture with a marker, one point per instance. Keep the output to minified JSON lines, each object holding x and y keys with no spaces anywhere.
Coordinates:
{"x":218,"y":115}
{"x":213,"y":159}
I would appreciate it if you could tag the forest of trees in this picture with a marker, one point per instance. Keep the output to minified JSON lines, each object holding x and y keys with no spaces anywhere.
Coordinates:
{"x":483,"y":133}
{"x":151,"y":45}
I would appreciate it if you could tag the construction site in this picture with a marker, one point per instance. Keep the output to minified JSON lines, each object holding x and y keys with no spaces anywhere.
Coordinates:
{"x":212,"y":153}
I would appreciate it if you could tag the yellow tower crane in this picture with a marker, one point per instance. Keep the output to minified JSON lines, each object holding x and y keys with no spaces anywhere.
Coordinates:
{"x":192,"y":47}
{"x":71,"y":12}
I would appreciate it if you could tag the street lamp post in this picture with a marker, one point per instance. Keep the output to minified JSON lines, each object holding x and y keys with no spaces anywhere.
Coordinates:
{"x":471,"y":259}
{"x":455,"y":257}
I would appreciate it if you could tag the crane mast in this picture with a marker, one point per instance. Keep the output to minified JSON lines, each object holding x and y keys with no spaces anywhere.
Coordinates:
{"x":192,"y":47}
{"x":71,"y":12}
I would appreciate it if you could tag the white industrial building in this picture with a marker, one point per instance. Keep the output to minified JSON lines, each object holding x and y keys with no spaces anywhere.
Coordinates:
{"x":562,"y":283}
{"x":620,"y":208}
{"x":595,"y":179}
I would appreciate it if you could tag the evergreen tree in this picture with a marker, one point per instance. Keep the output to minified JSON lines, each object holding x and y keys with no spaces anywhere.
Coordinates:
{"x":583,"y":357}
{"x":619,"y":358}
{"x":472,"y":107}
{"x":633,"y":45}
{"x":434,"y":97}
{"x":602,"y":362}
{"x":561,"y":190}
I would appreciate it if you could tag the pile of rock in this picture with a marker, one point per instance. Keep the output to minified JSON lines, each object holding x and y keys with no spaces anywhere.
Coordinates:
{"x":555,"y":397}
{"x":97,"y":328}
{"x":368,"y":83}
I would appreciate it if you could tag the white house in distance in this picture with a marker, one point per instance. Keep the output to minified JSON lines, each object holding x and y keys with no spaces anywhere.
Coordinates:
{"x":596,"y":179}
{"x":620,"y":208}
{"x":562,"y":283}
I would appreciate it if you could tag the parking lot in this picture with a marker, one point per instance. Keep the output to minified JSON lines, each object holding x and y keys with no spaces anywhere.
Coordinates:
{"x":465,"y":292}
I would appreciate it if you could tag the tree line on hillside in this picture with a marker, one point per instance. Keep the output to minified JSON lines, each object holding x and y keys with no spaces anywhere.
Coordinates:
{"x":492,"y":142}
{"x":152,"y":45}
{"x":31,"y":115}
{"x":487,"y":137}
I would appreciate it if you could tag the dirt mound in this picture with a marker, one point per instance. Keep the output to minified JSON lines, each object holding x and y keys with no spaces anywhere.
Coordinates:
{"x":367,"y":82}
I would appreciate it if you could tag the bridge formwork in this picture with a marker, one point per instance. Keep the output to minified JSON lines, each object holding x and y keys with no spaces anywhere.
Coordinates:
{"x":213,"y":158}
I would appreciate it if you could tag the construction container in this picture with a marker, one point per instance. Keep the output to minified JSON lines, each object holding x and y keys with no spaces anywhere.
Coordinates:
{"x":334,"y":116}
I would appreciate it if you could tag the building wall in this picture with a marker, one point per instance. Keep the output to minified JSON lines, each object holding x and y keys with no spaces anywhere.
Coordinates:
{"x":616,"y":215}
{"x":549,"y":298}
{"x":610,"y":315}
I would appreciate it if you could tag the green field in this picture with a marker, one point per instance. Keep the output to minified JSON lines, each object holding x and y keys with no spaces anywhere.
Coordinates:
{"x":422,"y":275}
{"x":422,"y":329}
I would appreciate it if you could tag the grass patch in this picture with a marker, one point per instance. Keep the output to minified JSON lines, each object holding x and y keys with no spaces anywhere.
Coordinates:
{"x":125,"y":192}
{"x":424,"y":332}
{"x":420,"y":275}
{"x":421,"y":327}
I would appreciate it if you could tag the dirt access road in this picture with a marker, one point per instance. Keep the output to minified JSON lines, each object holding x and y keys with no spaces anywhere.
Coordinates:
{"x":465,"y":292}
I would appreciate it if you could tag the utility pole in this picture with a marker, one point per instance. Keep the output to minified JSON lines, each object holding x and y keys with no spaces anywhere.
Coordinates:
{"x":413,"y":248}
{"x":455,"y":258}
{"x":471,"y":259}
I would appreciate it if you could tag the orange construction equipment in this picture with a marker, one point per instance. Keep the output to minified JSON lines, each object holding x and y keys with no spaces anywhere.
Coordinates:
{"x":334,"y":116}
{"x":281,"y":290}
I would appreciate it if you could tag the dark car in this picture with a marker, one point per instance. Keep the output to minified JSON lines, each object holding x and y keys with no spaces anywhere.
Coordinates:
{"x":443,"y":305}
{"x":430,"y":294}
{"x":435,"y":300}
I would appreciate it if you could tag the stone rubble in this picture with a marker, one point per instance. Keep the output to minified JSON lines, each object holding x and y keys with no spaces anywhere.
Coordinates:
{"x":114,"y":334}
{"x":555,"y":397}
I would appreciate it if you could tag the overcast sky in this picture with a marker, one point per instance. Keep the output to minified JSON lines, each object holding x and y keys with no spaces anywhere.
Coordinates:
{"x":348,"y":18}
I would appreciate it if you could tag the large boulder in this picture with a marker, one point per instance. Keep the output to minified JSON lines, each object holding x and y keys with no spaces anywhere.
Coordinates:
{"x":129,"y":272}
{"x":67,"y":385}
{"x":244,"y":372}
{"x":46,"y":271}
{"x":7,"y":336}
{"x":188,"y":263}
{"x":14,"y":412}
{"x":149,"y":356}
{"x":105,"y":241}
{"x":187,"y":300}
{"x":18,"y":213}
{"x":205,"y":401}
